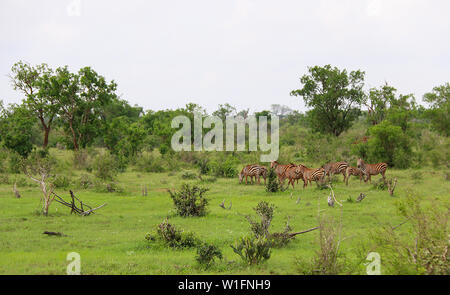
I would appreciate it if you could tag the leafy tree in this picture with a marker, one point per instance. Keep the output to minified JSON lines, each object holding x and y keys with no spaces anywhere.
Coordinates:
{"x":334,"y":97}
{"x":82,"y":97}
{"x":124,"y":138}
{"x":389,"y":144}
{"x":16,"y":129}
{"x":439,"y":99}
{"x":378,"y":102}
{"x":402,"y":110}
{"x":224,"y":111}
{"x":31,"y":81}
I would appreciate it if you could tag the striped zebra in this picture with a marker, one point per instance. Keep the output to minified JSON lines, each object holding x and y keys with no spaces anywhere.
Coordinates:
{"x":280,"y":170}
{"x":336,"y":168}
{"x":253,"y":170}
{"x":372,"y":169}
{"x":311,"y":174}
{"x":355,"y":172}
{"x":293,"y":172}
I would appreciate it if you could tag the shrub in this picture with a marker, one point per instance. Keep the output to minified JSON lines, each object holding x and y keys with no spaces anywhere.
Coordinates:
{"x":189,"y":175}
{"x":206,"y":253}
{"x":272,"y":185}
{"x":85,"y":181}
{"x":61,"y":181}
{"x":105,"y":166}
{"x":265,"y":211}
{"x":380,"y":184}
{"x":225,"y":168}
{"x":204,"y":166}
{"x":327,"y":259}
{"x":174,"y":237}
{"x":417,"y":176}
{"x":150,"y":163}
{"x":253,"y":250}
{"x":424,"y":250}
{"x":189,"y":201}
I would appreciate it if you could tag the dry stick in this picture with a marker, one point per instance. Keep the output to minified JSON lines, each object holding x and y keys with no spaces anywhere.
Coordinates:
{"x":291,"y":235}
{"x":92,"y":210}
{"x":398,"y":225}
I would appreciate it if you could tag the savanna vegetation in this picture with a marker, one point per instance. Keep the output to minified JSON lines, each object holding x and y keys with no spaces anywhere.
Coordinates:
{"x":185,"y":212}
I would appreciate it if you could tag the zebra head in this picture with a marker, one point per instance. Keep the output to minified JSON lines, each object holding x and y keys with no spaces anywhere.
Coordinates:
{"x":241,"y":176}
{"x":361,"y":164}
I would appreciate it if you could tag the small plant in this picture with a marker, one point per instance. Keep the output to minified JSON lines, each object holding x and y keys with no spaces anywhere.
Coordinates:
{"x":206,"y":253}
{"x":188,"y":175}
{"x":350,"y":199}
{"x":272,"y":185}
{"x":174,"y":237}
{"x":189,"y":201}
{"x":417,"y":177}
{"x":85,"y":181}
{"x":61,"y":181}
{"x":265,"y":211}
{"x":380,"y":184}
{"x":253,"y":250}
{"x":105,"y":167}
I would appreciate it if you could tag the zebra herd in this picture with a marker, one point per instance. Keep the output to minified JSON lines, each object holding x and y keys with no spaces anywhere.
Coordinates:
{"x":294,"y":172}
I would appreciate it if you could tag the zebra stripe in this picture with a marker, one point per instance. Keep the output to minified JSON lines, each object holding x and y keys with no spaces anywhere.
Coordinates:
{"x":372,"y":169}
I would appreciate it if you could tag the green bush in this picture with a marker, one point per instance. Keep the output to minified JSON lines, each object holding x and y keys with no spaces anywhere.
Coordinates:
{"x":174,"y":237}
{"x":253,"y":250}
{"x":206,"y":253}
{"x":105,"y":166}
{"x":150,"y":163}
{"x":61,"y":181}
{"x":272,"y":185}
{"x":225,"y":168}
{"x":189,"y":175}
{"x":85,"y":181}
{"x":189,"y":201}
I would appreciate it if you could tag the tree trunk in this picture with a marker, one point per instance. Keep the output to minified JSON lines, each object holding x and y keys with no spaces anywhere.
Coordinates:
{"x":46,"y":134}
{"x":74,"y":137}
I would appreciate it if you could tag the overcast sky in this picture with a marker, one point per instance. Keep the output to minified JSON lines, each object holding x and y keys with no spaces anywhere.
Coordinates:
{"x":250,"y":54}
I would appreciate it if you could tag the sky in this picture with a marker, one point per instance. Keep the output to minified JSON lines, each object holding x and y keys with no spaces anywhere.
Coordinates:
{"x":251,"y":54}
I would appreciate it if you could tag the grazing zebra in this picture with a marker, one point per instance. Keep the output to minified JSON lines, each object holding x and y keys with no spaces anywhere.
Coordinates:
{"x":280,"y":170}
{"x":310,"y":174}
{"x":354,"y":171}
{"x":335,"y":168}
{"x":253,"y":170}
{"x":293,"y":172}
{"x":372,"y":169}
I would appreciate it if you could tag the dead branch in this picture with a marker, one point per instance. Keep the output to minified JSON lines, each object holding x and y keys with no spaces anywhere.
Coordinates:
{"x":51,"y":233}
{"x":16,"y":192}
{"x":391,"y":186}
{"x":291,"y":235}
{"x":360,"y":197}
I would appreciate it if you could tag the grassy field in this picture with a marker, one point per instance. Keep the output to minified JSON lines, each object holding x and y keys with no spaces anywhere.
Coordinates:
{"x":112,"y":240}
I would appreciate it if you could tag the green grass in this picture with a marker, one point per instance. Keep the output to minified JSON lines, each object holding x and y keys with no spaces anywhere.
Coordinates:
{"x":112,"y":240}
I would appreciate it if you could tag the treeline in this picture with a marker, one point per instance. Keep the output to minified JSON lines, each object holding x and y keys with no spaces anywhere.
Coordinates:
{"x":79,"y":110}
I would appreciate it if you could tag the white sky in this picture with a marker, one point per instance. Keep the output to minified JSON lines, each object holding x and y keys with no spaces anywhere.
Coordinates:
{"x":250,"y":54}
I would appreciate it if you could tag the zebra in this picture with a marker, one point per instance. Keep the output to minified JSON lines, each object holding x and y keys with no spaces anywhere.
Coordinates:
{"x":253,"y":170}
{"x":335,"y":168}
{"x":354,"y":171}
{"x":372,"y":169}
{"x":293,"y":172}
{"x":280,"y":170}
{"x":310,"y":174}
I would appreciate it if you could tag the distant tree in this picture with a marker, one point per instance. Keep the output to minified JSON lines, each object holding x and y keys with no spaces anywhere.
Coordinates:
{"x":439,"y":99}
{"x":333,"y":95}
{"x":402,"y":110}
{"x":378,"y":102}
{"x":224,"y":111}
{"x":31,"y":80}
{"x":123,"y":137}
{"x":82,"y":98}
{"x":280,"y":110}
{"x":16,"y":129}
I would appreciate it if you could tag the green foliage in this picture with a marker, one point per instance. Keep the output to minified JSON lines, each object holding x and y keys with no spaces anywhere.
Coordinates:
{"x":253,"y":250}
{"x":439,"y":113}
{"x":334,"y":97}
{"x":265,"y":212}
{"x":105,"y":166}
{"x":150,"y":163}
{"x":272,"y":184}
{"x":226,"y":168}
{"x":389,"y":144}
{"x":189,"y":175}
{"x":16,"y":130}
{"x":425,"y":249}
{"x":189,"y":201}
{"x":206,"y":254}
{"x":61,"y":181}
{"x":173,"y":237}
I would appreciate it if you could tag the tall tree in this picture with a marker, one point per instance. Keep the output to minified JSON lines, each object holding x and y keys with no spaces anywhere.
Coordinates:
{"x":439,"y":99}
{"x":31,"y":80}
{"x":378,"y":102}
{"x":334,"y":96}
{"x":82,"y":98}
